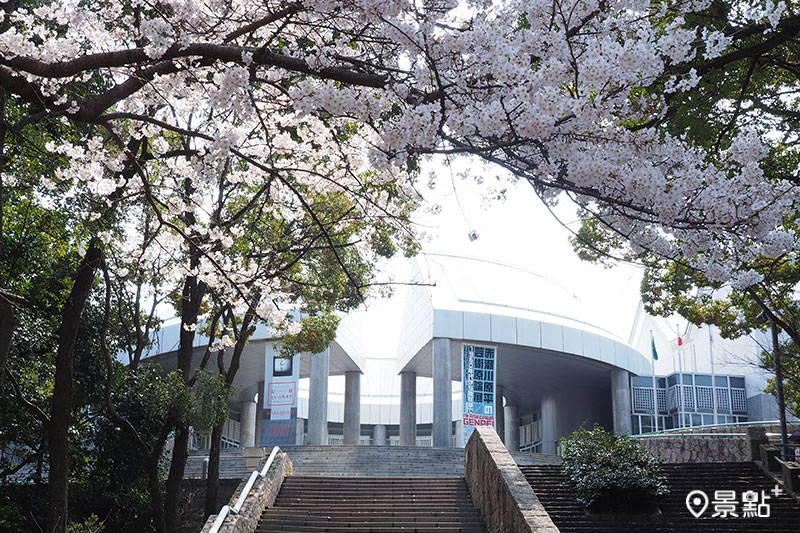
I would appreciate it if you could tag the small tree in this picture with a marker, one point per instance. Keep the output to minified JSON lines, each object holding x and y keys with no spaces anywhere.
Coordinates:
{"x":610,"y":471}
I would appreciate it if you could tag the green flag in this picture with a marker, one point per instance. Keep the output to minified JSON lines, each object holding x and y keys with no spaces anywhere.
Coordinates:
{"x":655,"y":353}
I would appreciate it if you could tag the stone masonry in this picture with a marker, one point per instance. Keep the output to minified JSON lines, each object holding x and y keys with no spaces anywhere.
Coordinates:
{"x":262,"y":495}
{"x":499,"y":490}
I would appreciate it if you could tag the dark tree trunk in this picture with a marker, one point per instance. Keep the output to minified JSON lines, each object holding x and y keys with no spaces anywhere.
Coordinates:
{"x":192,"y":297}
{"x":212,"y":481}
{"x":175,"y":477}
{"x":61,"y":410}
{"x":154,"y":482}
{"x":8,"y":321}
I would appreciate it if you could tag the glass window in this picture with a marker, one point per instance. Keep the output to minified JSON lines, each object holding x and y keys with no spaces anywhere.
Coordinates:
{"x":708,"y":420}
{"x":661,"y":383}
{"x":672,"y":380}
{"x":688,"y":379}
{"x":635,"y":427}
{"x":722,"y":381}
{"x":737,"y":383}
{"x":702,"y":380}
{"x":642,"y":381}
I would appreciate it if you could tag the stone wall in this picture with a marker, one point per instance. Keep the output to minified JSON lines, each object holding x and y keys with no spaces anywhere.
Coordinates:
{"x":698,"y":449}
{"x":499,"y":490}
{"x":262,"y":495}
{"x":728,"y":444}
{"x":769,"y":428}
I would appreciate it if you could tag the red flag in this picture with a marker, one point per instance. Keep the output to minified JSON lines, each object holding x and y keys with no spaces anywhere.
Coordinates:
{"x":680,"y":341}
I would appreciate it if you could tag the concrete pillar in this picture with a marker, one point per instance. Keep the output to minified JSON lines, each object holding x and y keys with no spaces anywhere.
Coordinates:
{"x":300,"y":435}
{"x":408,"y":409}
{"x":259,"y":412}
{"x":549,"y":424}
{"x":352,"y":407}
{"x":442,"y":393}
{"x":247,"y":425}
{"x":318,"y":398}
{"x":621,"y":400}
{"x":379,"y":435}
{"x":499,"y":417}
{"x":511,"y":416}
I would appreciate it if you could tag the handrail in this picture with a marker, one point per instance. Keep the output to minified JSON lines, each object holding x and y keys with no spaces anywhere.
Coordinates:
{"x":226,"y":509}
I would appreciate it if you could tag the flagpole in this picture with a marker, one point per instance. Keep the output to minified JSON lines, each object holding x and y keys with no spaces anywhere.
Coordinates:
{"x":655,"y":390}
{"x":713,"y":376}
{"x":680,"y":369}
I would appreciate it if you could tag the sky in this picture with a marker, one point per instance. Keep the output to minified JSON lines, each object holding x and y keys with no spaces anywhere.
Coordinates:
{"x":518,"y":230}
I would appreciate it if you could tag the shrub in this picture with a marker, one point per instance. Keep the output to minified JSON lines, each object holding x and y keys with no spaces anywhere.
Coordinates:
{"x":612,"y":472}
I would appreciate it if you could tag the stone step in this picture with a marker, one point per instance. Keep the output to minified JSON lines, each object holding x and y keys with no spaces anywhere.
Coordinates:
{"x":558,"y":498}
{"x":369,"y":504}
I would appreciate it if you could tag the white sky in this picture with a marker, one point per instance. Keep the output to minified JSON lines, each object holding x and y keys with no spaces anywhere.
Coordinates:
{"x":519,"y":231}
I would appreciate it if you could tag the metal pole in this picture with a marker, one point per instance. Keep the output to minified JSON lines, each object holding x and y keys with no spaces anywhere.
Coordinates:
{"x":779,"y":388}
{"x":713,"y":376}
{"x":655,"y":391}
{"x":680,"y":369}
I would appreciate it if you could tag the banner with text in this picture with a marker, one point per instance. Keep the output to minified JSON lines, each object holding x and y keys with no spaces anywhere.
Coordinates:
{"x":477,"y":380}
{"x":279,"y":424}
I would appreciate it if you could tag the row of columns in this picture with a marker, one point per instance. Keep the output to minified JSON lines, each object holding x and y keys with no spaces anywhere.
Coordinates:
{"x":506,"y":417}
{"x":318,"y":402}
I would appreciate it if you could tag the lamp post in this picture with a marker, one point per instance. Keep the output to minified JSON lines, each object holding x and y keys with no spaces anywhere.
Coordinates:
{"x":762,"y":318}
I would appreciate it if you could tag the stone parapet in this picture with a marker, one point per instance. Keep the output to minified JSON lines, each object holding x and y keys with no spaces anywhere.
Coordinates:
{"x":261,"y":496}
{"x":499,"y":490}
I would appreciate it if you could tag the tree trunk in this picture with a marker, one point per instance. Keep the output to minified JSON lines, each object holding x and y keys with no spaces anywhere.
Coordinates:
{"x":8,"y":321}
{"x":175,"y":477}
{"x":212,"y":479}
{"x":192,"y":296}
{"x":212,"y":483}
{"x":62,"y":392}
{"x":154,"y":481}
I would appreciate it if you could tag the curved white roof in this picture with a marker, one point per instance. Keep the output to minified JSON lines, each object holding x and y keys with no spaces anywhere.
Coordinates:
{"x":489,"y":301}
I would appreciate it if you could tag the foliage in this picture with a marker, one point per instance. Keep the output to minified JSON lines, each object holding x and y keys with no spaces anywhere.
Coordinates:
{"x":91,"y":525}
{"x":611,"y":471}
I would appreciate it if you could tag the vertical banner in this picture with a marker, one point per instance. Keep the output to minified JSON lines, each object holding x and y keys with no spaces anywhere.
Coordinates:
{"x":477,"y":381}
{"x":279,"y":425}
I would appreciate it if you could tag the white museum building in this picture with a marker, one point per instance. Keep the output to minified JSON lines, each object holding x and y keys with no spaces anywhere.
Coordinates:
{"x":478,"y":341}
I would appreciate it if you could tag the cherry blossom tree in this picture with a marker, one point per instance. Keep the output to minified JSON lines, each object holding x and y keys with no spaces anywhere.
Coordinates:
{"x":179,"y":103}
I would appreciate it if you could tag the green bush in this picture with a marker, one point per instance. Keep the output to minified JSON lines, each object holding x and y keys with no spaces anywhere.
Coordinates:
{"x":611,"y":472}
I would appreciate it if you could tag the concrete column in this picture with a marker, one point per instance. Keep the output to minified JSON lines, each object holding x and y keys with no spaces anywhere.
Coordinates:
{"x":379,"y":435}
{"x":247,"y":427}
{"x":259,"y":412}
{"x":549,"y":424}
{"x":408,"y":409}
{"x":300,"y":435}
{"x":442,"y":393}
{"x":318,"y":398}
{"x":352,"y":407}
{"x":621,"y":400}
{"x":511,"y":416}
{"x":499,"y":417}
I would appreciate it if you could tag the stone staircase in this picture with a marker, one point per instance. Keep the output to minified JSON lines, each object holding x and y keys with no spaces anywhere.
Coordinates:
{"x":526,"y":458}
{"x":376,"y":461}
{"x":370,"y":504}
{"x":231,"y":464}
{"x":392,"y":461}
{"x":558,"y":498}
